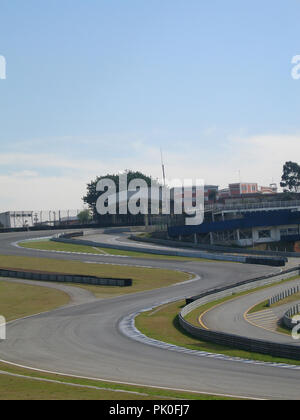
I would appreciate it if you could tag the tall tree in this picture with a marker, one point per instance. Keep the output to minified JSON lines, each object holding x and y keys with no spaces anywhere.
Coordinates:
{"x":92,"y":195}
{"x":84,"y":217}
{"x":290,"y":179}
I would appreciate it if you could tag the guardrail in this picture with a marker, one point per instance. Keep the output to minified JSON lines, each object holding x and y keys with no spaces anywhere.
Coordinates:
{"x":152,"y":251}
{"x":230,"y":340}
{"x":214,"y":248}
{"x":277,"y":261}
{"x":283,"y":295}
{"x":232,"y":258}
{"x":245,"y":285}
{"x":65,"y":278}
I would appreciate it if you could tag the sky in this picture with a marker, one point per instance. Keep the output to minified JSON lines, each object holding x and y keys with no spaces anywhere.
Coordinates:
{"x":99,"y":86}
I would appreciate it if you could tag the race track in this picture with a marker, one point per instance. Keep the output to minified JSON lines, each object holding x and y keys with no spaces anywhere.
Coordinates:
{"x":85,"y":339}
{"x":230,"y":317}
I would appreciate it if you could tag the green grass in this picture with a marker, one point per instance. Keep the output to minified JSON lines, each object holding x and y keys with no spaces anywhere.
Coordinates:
{"x":283,"y":329}
{"x":259,"y":307}
{"x":289,"y":299}
{"x":20,"y":300}
{"x":265,"y":304}
{"x":193,"y":316}
{"x":143,"y":278}
{"x":28,"y":388}
{"x":59,"y":246}
{"x":16,"y":388}
{"x":162,"y":324}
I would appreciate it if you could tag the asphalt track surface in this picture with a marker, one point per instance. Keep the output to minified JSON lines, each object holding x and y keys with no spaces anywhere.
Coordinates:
{"x":85,"y":340}
{"x":229,"y":317}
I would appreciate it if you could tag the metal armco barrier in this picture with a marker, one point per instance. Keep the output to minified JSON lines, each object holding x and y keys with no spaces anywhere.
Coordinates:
{"x":247,"y":284}
{"x":64,"y":278}
{"x":283,"y":295}
{"x":212,"y":256}
{"x":215,"y":248}
{"x":188,"y":254}
{"x":288,"y":351}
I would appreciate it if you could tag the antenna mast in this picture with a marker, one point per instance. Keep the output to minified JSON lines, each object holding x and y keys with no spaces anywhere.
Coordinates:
{"x":163,"y":167}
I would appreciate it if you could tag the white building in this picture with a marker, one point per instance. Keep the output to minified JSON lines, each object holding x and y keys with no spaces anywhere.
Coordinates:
{"x":16,"y":219}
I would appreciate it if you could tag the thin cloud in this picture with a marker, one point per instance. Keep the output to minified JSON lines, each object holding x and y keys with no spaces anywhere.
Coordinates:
{"x":259,"y":159}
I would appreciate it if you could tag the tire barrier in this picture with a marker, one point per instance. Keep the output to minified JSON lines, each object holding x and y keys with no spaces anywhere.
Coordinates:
{"x":64,"y":278}
{"x":211,"y":256}
{"x":288,"y":351}
{"x":271,"y":261}
{"x":287,"y":320}
{"x":70,"y":235}
{"x":283,"y":295}
{"x":246,"y":285}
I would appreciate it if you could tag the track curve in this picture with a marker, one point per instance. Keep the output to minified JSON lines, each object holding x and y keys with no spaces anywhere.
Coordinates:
{"x":85,"y":340}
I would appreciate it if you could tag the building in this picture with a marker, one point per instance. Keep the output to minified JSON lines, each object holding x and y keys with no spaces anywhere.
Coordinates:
{"x":223,"y":194}
{"x":243,"y":188}
{"x":249,"y":229}
{"x":247,"y":221}
{"x":21,"y":219}
{"x":210,"y":193}
{"x":272,"y":189}
{"x":17,"y":219}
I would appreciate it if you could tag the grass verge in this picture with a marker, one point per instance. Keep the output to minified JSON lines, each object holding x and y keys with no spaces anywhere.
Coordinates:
{"x":265,"y":304}
{"x":20,"y":300}
{"x":143,"y":278}
{"x":260,"y":307}
{"x":59,"y":246}
{"x":48,"y":245}
{"x":32,"y":387}
{"x":283,"y":329}
{"x":162,"y":324}
{"x":193,"y":316}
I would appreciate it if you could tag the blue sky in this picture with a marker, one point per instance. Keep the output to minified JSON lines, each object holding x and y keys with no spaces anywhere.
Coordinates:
{"x":97,"y":86}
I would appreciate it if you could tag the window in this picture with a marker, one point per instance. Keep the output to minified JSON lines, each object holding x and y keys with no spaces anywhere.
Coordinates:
{"x":292,"y":231}
{"x":264,"y":234}
{"x":246,"y":234}
{"x":289,"y":231}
